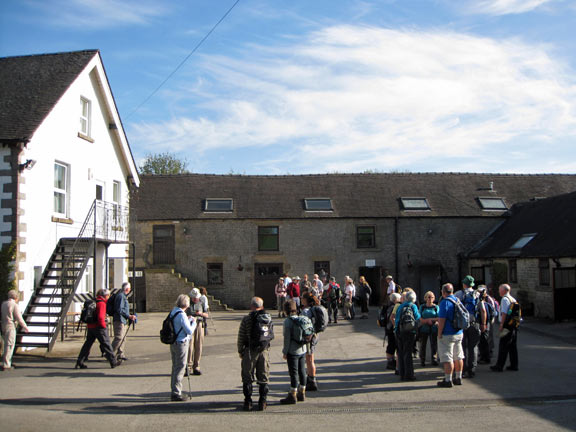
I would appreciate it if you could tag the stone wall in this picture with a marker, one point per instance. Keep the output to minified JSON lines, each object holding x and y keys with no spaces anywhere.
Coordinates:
{"x":234,"y":243}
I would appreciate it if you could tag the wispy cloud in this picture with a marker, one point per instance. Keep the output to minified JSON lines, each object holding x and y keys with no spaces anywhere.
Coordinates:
{"x":349,"y":98}
{"x":92,"y":14}
{"x":505,"y":7}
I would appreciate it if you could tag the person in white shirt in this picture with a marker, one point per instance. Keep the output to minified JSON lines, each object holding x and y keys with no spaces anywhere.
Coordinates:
{"x":11,"y":317}
{"x":350,"y":293}
{"x":508,"y":334}
{"x":391,"y":288}
{"x":183,"y":327}
{"x":319,"y":285}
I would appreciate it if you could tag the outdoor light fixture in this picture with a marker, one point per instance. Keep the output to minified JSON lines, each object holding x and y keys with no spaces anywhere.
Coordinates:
{"x":29,"y":164}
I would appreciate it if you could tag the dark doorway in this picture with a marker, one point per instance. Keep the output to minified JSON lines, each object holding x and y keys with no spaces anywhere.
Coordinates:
{"x":564,"y":293}
{"x":265,"y":279}
{"x":322,"y":269}
{"x":163,"y":244}
{"x":373,"y":276}
{"x":430,"y":280}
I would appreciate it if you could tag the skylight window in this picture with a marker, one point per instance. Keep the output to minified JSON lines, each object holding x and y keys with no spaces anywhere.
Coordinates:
{"x":318,"y":204}
{"x":492,"y":204}
{"x":218,"y":205}
{"x":415,"y":204}
{"x":522,"y":241}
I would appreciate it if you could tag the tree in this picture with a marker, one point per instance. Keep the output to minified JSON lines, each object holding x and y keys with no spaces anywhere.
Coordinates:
{"x":164,"y":163}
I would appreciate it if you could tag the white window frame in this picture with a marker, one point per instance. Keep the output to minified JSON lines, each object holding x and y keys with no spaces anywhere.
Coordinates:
{"x":65,"y":191}
{"x":85,"y":118}
{"x":117,"y":192}
{"x":406,"y":207}
{"x":310,"y":208}
{"x":209,"y":210}
{"x":485,"y":207}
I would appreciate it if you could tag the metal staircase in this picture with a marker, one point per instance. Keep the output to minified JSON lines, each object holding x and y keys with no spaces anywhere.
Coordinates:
{"x":49,"y":304}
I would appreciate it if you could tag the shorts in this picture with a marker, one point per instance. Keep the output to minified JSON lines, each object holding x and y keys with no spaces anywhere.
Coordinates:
{"x":311,"y":346}
{"x":450,"y":348}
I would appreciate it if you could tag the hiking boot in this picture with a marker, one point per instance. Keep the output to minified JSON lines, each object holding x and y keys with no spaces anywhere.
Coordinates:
{"x":77,"y":366}
{"x":311,"y":384}
{"x":444,"y":384}
{"x":290,"y":399}
{"x":301,"y":396}
{"x":178,"y":398}
{"x":247,"y":405}
{"x":457,"y":381}
{"x":262,"y":404}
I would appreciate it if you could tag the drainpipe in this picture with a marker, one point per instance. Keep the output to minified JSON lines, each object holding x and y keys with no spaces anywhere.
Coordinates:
{"x":397,"y":273}
{"x":134,"y":304}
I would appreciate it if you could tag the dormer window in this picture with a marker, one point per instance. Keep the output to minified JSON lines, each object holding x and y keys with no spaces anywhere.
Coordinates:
{"x":85,"y":114}
{"x":415,"y":204}
{"x":318,"y":204}
{"x":492,"y":204}
{"x":218,"y":205}
{"x":522,"y":241}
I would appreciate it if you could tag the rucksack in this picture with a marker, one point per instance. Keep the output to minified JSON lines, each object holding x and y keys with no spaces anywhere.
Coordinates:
{"x":320,"y":315}
{"x":407,"y":322}
{"x":88,"y":314}
{"x":514,"y":316}
{"x":471,"y":303}
{"x":302,"y":329}
{"x":167,"y":334}
{"x":262,"y":331}
{"x":335,"y":293}
{"x":461,"y":318}
{"x":490,"y":312}
{"x":110,"y":304}
{"x":382,"y":316}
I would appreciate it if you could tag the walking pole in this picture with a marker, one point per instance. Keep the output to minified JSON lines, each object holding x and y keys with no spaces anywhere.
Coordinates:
{"x":189,"y":385}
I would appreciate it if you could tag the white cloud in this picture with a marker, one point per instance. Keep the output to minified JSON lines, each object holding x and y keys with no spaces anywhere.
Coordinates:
{"x":98,"y":13}
{"x":350,"y":98}
{"x":505,"y":7}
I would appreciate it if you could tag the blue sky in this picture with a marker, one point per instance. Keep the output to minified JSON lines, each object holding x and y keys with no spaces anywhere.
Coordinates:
{"x":316,"y":86}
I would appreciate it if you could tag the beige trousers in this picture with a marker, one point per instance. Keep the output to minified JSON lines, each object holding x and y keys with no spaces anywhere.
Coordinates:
{"x":9,"y":337}
{"x":195,"y":348}
{"x":119,"y":341}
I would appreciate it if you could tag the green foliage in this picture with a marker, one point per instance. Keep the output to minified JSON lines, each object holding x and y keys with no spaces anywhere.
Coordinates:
{"x":7,"y":256}
{"x":164,"y":163}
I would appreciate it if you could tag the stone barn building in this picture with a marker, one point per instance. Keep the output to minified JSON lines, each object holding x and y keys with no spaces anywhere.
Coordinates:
{"x":236,"y":234}
{"x":535,"y":251}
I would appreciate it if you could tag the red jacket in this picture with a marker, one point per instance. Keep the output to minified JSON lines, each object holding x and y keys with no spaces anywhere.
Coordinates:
{"x":293,"y":290}
{"x":100,"y":314}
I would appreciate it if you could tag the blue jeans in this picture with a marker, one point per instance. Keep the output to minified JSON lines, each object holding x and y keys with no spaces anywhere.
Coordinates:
{"x":296,"y":369}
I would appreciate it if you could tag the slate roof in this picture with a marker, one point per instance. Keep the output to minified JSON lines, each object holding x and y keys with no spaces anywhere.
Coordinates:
{"x":553,"y":220}
{"x":181,"y":197}
{"x":31,"y":85}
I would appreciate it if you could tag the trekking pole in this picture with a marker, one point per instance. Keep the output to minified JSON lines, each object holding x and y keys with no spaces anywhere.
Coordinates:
{"x":189,"y":385}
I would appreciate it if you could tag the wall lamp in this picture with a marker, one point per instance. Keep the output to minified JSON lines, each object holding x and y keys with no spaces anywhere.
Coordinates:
{"x":29,"y":164}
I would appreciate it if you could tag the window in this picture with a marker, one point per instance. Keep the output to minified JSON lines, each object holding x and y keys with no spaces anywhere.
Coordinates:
{"x":322,"y":269}
{"x":522,"y":241}
{"x":116,"y":192}
{"x":478,"y":273}
{"x":268,"y":238}
{"x":414,"y":204}
{"x":492,"y":204}
{"x":61,"y":189}
{"x":215,"y":273}
{"x":513,"y":271}
{"x":318,"y":204}
{"x":85,"y":112}
{"x":365,"y":237}
{"x":544,"y":273}
{"x":218,"y":205}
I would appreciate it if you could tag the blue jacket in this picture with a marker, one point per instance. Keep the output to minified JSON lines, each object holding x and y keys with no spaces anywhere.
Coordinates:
{"x":121,"y":308}
{"x":401,"y":308}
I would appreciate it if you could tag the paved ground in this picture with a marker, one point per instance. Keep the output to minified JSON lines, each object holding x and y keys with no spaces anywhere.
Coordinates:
{"x":357,"y":393}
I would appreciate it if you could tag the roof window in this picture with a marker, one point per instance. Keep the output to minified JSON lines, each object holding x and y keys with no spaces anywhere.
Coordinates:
{"x":218,"y":205}
{"x":318,"y":204}
{"x":414,"y":204}
{"x":492,"y":203}
{"x":522,"y":241}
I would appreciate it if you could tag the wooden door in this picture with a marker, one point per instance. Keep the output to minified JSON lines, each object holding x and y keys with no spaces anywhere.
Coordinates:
{"x":265,"y":279}
{"x":163,"y":244}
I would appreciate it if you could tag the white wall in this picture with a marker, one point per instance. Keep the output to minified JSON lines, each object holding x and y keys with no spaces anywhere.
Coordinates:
{"x":57,"y":140}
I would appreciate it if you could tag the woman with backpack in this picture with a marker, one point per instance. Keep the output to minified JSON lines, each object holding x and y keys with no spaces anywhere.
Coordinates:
{"x":406,"y":324}
{"x":429,"y":310}
{"x":486,"y":315}
{"x":350,"y":294}
{"x":364,"y":293}
{"x":387,"y":321}
{"x":310,"y":301}
{"x":294,"y":352}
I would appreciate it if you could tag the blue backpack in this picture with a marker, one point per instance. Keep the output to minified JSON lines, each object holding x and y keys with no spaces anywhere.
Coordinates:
{"x":471,"y":304}
{"x":461,"y":319}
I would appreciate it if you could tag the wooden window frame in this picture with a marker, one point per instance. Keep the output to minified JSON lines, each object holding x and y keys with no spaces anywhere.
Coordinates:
{"x":262,"y":235}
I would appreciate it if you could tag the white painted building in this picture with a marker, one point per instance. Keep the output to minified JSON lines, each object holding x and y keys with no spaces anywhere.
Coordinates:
{"x":62,"y":147}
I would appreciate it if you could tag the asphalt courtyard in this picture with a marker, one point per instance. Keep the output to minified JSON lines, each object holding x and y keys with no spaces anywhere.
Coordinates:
{"x":356,"y":392}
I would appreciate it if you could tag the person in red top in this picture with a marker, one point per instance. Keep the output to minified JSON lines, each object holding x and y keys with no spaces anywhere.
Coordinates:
{"x":293,"y":291}
{"x":97,"y":330}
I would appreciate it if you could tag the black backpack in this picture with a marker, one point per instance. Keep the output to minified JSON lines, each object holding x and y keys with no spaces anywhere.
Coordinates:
{"x":262,"y":331}
{"x":407,"y":322}
{"x":167,"y":334}
{"x":110,"y":304}
{"x":88,"y":314}
{"x":320,"y":315}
